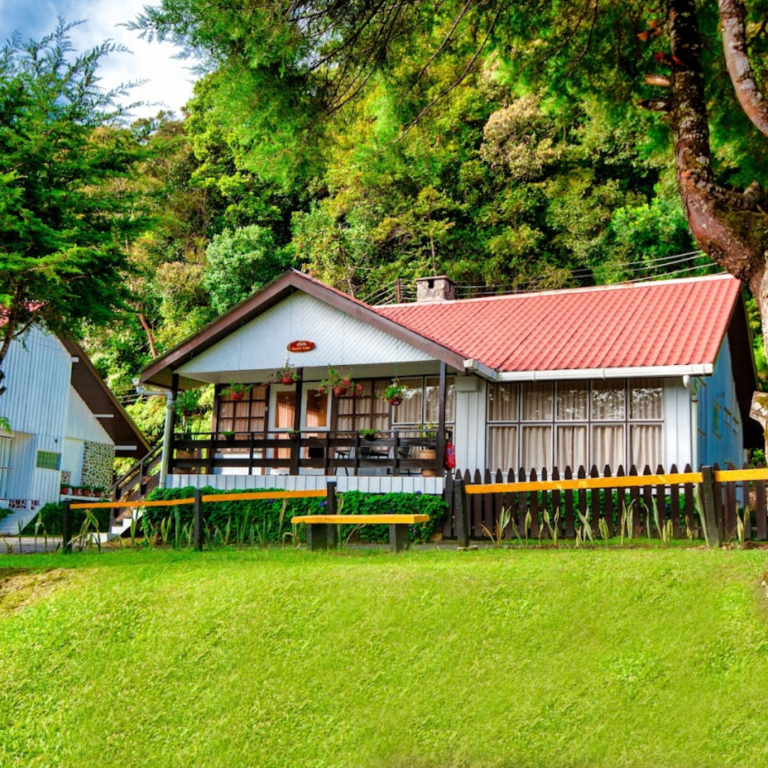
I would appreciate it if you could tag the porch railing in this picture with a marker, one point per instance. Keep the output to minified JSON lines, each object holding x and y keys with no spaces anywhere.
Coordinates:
{"x":331,"y":453}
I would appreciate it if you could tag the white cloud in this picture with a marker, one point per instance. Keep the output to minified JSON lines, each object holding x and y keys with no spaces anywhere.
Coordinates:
{"x":168,"y":80}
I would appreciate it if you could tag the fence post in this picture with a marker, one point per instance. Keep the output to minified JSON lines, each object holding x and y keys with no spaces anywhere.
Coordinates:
{"x":66,"y":527}
{"x":332,"y":505}
{"x":460,"y":512}
{"x":198,"y":520}
{"x":708,"y":508}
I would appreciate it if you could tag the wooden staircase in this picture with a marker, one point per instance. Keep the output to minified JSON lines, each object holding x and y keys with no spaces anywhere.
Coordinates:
{"x":140,"y":480}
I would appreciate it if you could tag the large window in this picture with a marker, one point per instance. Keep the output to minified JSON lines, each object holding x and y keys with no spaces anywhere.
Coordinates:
{"x":540,"y":425}
{"x":5,"y":465}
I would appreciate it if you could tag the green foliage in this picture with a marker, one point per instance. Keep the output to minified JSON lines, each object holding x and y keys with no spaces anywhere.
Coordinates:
{"x":239,"y":262}
{"x":270,"y":519}
{"x":67,"y":203}
{"x":51,"y":516}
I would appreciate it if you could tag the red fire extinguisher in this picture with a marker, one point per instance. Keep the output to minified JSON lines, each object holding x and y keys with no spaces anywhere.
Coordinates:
{"x":450,"y":456}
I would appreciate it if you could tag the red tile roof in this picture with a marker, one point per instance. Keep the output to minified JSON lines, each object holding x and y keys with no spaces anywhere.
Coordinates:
{"x":671,"y":322}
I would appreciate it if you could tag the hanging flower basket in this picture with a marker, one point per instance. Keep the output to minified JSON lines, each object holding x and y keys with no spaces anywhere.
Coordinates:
{"x":339,"y":383}
{"x":285,"y":375}
{"x":235,"y":391}
{"x":393,"y":394}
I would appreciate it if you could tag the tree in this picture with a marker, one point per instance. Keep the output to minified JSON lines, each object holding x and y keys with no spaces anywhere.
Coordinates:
{"x":238,"y":263}
{"x":67,"y":208}
{"x":330,"y":51}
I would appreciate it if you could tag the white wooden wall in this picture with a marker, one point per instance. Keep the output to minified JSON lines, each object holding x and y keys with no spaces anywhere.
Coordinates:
{"x":81,"y":424}
{"x":261,"y":344}
{"x":404,"y":484}
{"x":470,"y":434}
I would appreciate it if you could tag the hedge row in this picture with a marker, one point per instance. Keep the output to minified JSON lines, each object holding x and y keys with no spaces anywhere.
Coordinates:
{"x":51,"y":515}
{"x":264,"y":516}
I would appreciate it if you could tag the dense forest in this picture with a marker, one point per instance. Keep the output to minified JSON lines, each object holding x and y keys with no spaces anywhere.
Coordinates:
{"x":512,"y":146}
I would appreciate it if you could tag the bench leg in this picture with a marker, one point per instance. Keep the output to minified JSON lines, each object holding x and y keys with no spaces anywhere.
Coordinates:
{"x":399,"y":539}
{"x":321,"y":536}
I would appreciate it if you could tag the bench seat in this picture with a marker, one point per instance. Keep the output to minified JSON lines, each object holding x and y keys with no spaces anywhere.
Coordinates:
{"x":322,"y":531}
{"x":361,"y":519}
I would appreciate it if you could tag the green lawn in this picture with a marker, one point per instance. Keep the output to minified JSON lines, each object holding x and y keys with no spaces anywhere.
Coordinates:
{"x":432,"y":658}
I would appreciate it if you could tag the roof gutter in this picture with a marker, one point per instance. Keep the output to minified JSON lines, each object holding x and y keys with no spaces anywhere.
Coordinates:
{"x":564,"y":374}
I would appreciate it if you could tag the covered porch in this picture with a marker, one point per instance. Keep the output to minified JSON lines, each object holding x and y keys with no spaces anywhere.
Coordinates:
{"x":303,"y":429}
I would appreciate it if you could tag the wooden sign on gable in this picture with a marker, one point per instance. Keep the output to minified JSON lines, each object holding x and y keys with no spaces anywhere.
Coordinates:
{"x":301,"y":346}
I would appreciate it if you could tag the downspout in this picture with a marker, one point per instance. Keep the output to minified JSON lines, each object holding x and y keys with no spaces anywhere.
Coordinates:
{"x":169,"y":404}
{"x":689,"y":382}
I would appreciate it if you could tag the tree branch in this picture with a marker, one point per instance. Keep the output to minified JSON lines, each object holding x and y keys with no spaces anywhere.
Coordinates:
{"x":733,"y":18}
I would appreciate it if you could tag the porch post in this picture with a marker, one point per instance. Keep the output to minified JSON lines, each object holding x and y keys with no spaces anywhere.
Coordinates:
{"x":171,"y":422}
{"x":296,"y":444}
{"x":440,"y":460}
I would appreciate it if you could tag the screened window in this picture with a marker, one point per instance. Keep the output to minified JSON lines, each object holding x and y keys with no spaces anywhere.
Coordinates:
{"x":48,"y":460}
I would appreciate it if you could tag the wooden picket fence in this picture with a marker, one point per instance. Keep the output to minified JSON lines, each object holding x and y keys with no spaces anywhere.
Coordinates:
{"x":647,"y":499}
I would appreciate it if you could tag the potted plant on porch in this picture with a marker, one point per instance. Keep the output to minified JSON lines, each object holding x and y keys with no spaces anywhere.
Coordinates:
{"x":235,"y":391}
{"x":393,"y":394}
{"x":285,"y":375}
{"x":369,"y":434}
{"x":428,"y":454}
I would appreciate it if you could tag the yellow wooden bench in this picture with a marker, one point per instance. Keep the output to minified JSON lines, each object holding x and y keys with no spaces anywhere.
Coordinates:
{"x":322,"y":532}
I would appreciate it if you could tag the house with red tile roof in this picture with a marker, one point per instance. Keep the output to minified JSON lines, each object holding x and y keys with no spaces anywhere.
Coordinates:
{"x":646,"y":374}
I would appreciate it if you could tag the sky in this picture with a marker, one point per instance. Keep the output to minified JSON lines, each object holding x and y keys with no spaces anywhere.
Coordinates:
{"x":169,"y":80}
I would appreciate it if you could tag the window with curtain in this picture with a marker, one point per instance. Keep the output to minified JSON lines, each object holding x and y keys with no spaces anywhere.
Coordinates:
{"x":646,"y":404}
{"x":246,"y":415}
{"x":572,"y":447}
{"x":410,"y":411}
{"x":537,"y":401}
{"x":366,"y":411}
{"x":576,"y":423}
{"x":608,"y":400}
{"x":572,"y":400}
{"x":537,"y":447}
{"x":502,"y":402}
{"x":502,"y":448}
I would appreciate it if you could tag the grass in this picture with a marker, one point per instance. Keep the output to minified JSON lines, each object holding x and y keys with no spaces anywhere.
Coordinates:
{"x":591,"y":657}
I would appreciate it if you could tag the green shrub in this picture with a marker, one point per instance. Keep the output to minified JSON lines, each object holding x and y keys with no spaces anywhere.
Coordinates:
{"x":260,"y":520}
{"x":51,"y":515}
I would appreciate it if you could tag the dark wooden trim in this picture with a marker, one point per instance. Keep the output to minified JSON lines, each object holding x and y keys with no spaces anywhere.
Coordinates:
{"x":216,"y":413}
{"x":100,"y":399}
{"x":171,"y":438}
{"x":158,"y":372}
{"x":441,"y":403}
{"x":296,"y":444}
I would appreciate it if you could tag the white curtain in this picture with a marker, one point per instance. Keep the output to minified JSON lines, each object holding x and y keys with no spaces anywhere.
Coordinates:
{"x":409,"y":411}
{"x":503,"y":448}
{"x":572,"y":448}
{"x":433,"y":399}
{"x":502,"y":402}
{"x":537,"y":448}
{"x":317,"y":409}
{"x":646,"y":399}
{"x":608,"y":447}
{"x":572,"y":400}
{"x":647,"y":446}
{"x":537,"y":401}
{"x":608,"y":400}
{"x":286,"y":407}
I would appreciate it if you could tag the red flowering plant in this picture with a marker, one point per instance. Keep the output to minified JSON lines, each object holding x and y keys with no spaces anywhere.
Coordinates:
{"x":285,"y":375}
{"x":339,"y":383}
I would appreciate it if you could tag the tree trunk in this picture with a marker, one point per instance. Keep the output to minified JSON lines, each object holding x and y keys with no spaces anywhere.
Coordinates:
{"x":727,"y":225}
